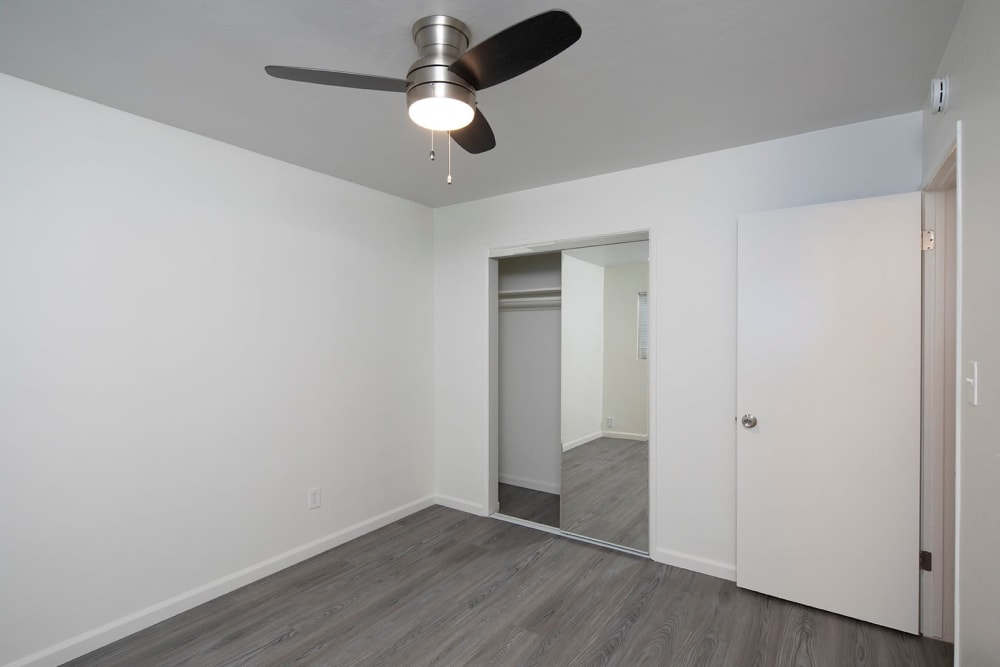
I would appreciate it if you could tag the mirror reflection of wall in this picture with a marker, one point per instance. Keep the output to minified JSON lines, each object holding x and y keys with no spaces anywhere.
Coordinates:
{"x":605,"y":394}
{"x":528,"y":359}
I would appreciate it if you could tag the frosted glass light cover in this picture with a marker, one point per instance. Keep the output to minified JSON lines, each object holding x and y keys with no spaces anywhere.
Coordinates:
{"x":441,"y":113}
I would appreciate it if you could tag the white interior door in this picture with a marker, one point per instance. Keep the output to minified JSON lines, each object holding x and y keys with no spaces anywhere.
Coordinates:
{"x":828,"y":361}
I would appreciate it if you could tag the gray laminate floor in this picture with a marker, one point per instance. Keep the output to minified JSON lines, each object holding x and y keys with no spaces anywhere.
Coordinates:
{"x":605,"y":491}
{"x":442,"y":587}
{"x":529,"y":504}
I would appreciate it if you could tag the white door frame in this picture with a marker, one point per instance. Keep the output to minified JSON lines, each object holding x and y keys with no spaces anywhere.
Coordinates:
{"x":938,"y":405}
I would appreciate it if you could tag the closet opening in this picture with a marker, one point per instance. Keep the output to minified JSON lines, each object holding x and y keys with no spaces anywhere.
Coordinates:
{"x":570,"y":331}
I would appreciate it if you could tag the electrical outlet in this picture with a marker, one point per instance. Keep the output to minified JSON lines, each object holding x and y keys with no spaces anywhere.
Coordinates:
{"x":315,"y":498}
{"x":611,"y":422}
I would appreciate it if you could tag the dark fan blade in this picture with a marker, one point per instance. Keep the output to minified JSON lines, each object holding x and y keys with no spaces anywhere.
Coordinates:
{"x":343,"y":79}
{"x":517,"y":49}
{"x":477,"y":136}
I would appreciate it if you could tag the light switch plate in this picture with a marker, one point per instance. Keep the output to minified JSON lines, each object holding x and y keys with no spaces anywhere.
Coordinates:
{"x":973,"y":381}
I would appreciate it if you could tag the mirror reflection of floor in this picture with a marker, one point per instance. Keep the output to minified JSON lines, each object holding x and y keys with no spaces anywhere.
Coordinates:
{"x":605,"y":491}
{"x":529,"y":504}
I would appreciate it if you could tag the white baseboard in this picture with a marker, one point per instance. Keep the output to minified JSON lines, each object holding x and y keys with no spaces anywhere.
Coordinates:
{"x":625,"y":436}
{"x":461,"y":505}
{"x":590,"y":437}
{"x":707,"y":566}
{"x":528,"y":483}
{"x":144,"y":618}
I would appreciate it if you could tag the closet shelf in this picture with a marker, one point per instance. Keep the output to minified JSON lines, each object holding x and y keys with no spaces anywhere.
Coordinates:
{"x":538,"y":291}
{"x":546,"y":298}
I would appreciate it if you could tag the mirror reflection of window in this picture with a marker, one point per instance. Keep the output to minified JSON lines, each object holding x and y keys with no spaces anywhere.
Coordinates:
{"x":643,"y":326}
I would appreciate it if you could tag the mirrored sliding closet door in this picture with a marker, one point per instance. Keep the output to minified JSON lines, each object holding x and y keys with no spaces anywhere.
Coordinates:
{"x":605,"y":394}
{"x":573,"y":391}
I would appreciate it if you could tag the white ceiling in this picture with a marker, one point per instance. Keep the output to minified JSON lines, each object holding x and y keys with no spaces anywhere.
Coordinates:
{"x":649,"y":81}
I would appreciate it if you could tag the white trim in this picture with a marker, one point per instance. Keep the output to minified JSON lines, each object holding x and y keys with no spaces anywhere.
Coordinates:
{"x":144,"y":618}
{"x":714,"y":568}
{"x":568,"y":244}
{"x":624,"y":435}
{"x":959,"y":381}
{"x":945,"y":177}
{"x":528,"y":483}
{"x":492,"y":372}
{"x":461,"y":505}
{"x":938,"y":432}
{"x":590,"y":437}
{"x":651,"y":405}
{"x":932,"y":418}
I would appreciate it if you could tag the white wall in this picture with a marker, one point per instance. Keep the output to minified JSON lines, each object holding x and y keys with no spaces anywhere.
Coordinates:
{"x":971,"y":62}
{"x":529,"y":451}
{"x":192,"y":336}
{"x":626,"y":376}
{"x":690,"y":206}
{"x":582,"y":351}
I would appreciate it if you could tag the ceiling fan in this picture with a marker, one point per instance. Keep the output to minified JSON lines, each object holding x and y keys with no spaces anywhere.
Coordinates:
{"x":441,"y":84}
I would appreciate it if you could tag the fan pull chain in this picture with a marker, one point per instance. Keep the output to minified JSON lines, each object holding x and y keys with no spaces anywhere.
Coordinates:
{"x":432,"y":145}
{"x":449,"y":157}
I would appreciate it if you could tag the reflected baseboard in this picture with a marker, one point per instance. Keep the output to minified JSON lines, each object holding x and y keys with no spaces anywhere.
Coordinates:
{"x":590,"y":437}
{"x":624,"y":435}
{"x":527,"y":483}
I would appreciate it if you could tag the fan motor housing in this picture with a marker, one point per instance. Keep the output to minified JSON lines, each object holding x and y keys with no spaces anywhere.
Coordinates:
{"x":440,"y":41}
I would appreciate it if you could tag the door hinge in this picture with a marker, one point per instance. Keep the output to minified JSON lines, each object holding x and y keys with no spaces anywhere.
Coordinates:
{"x":927,"y":239}
{"x":925,"y":561}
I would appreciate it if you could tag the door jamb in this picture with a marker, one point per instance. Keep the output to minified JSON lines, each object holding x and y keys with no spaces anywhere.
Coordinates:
{"x":938,"y":398}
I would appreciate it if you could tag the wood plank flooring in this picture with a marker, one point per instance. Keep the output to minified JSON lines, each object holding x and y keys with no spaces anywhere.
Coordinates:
{"x":605,"y":491}
{"x":529,"y":504}
{"x":442,"y":587}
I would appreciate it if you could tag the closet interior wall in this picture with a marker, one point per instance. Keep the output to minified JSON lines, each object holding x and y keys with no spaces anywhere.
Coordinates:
{"x":529,"y":374}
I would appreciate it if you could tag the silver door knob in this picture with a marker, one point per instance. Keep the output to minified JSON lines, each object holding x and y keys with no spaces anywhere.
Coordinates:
{"x":748,"y":421}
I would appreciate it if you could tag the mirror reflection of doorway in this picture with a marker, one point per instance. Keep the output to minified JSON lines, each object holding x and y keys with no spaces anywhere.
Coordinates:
{"x":605,"y":394}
